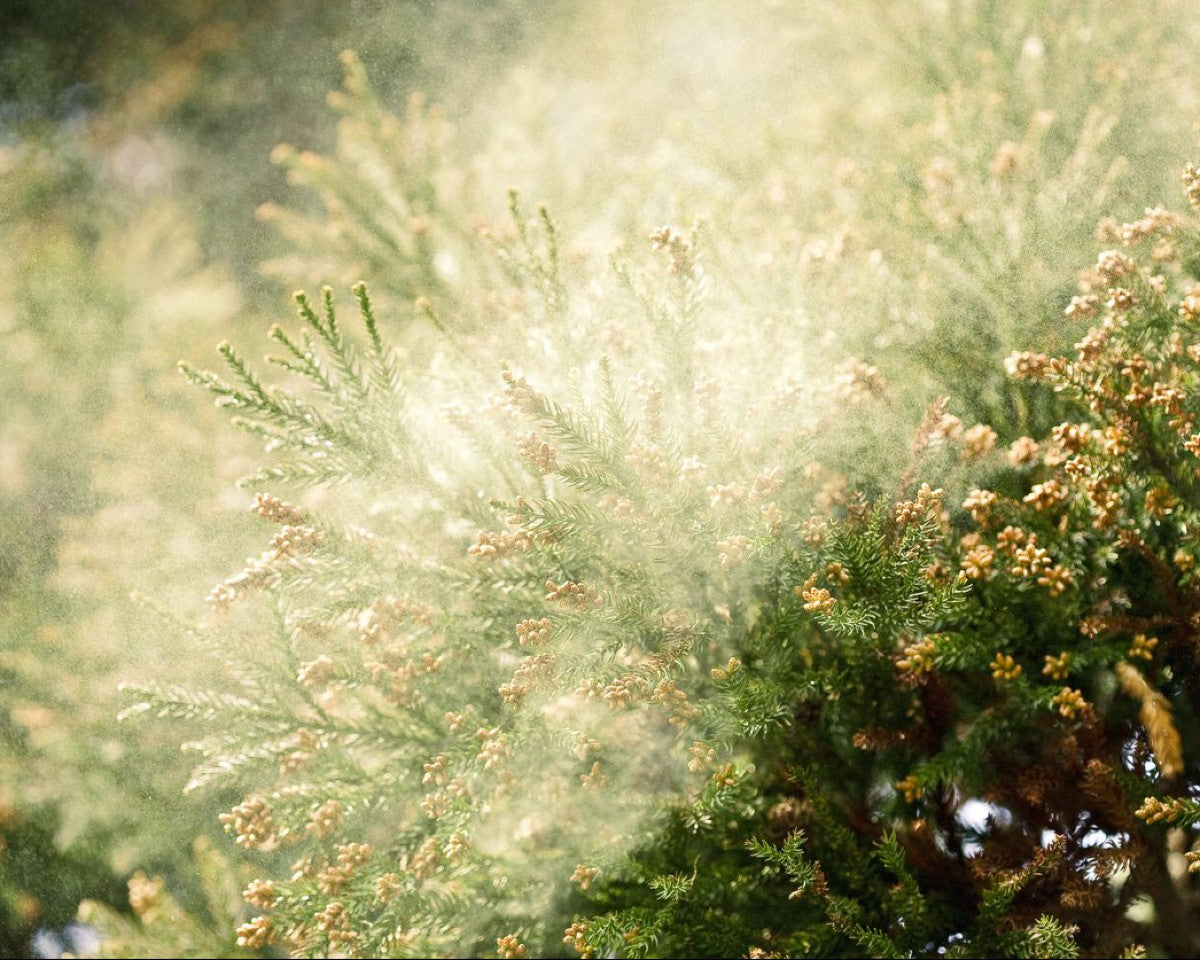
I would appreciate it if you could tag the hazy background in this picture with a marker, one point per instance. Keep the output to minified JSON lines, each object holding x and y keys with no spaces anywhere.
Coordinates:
{"x":918,"y":182}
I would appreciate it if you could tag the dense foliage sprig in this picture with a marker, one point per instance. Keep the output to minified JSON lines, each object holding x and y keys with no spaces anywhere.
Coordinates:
{"x":624,"y":679}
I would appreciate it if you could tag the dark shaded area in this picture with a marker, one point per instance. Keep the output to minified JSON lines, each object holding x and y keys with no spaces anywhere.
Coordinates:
{"x":41,"y":884}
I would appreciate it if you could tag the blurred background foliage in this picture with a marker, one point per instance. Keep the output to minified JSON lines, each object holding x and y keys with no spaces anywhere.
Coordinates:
{"x":916,"y":183}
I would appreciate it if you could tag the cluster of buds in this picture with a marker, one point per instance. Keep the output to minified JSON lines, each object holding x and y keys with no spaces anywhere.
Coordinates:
{"x":493,"y":546}
{"x":978,"y":562}
{"x":1056,"y":580}
{"x":494,"y":748}
{"x":435,"y":771}
{"x":766,"y":484}
{"x":584,"y":745}
{"x":532,"y":672}
{"x":584,"y":876}
{"x":435,"y":804}
{"x":257,"y":574}
{"x":1096,"y":340}
{"x":1072,"y":437}
{"x":726,"y":775}
{"x":1113,"y":266}
{"x":1011,"y":538}
{"x":575,"y":937}
{"x":979,"y":505}
{"x":622,"y":507}
{"x":537,"y":452}
{"x":1143,"y":647}
{"x":1154,"y":810}
{"x":941,"y":429}
{"x":335,"y":876}
{"x":816,"y":599}
{"x":518,"y":391}
{"x":1168,"y":398}
{"x":316,"y":673}
{"x":648,"y":460}
{"x":928,"y":502}
{"x":857,"y":381}
{"x":334,"y":922}
{"x":386,"y":615}
{"x":683,"y":711}
{"x":534,"y":633}
{"x":1121,"y":300}
{"x":458,"y":845}
{"x":424,"y":861}
{"x":572,"y":594}
{"x":652,"y":397}
{"x":295,"y":540}
{"x":1191,"y":185}
{"x":683,"y":263}
{"x":1156,"y":222}
{"x":510,"y":948}
{"x":978,"y":441}
{"x":326,"y":819}
{"x":1023,"y":452}
{"x":1027,"y":365}
{"x":388,"y":887}
{"x":1069,"y":703}
{"x":145,"y":894}
{"x":1004,"y":667}
{"x":1049,"y":495}
{"x":1115,"y":440}
{"x":701,"y":756}
{"x":732,"y":666}
{"x":256,"y":934}
{"x":1159,"y":500}
{"x":260,"y":894}
{"x":250,"y":823}
{"x":733,"y":550}
{"x":918,"y":657}
{"x":813,"y":531}
{"x":1030,"y":560}
{"x":725,"y":494}
{"x":618,"y":694}
{"x":303,"y":869}
{"x":1104,"y":502}
{"x":836,"y":572}
{"x":278,"y":511}
{"x":397,"y":671}
{"x":1082,"y":307}
{"x":1057,"y":667}
{"x":1189,"y":305}
{"x":353,"y":855}
{"x":595,"y":778}
{"x":911,"y":788}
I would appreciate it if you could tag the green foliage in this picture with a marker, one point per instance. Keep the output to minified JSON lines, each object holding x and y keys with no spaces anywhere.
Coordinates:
{"x":863,"y":663}
{"x":653,"y":638}
{"x":822,"y":680}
